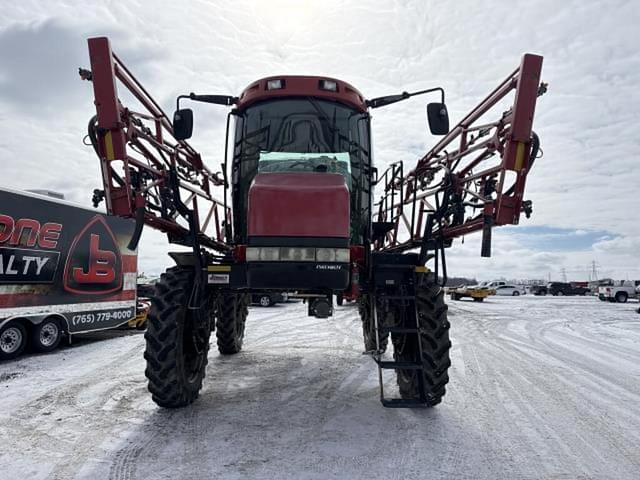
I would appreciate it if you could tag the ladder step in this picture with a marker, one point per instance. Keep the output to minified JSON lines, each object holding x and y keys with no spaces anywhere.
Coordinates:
{"x":402,"y":403}
{"x":399,"y":330}
{"x":398,"y":365}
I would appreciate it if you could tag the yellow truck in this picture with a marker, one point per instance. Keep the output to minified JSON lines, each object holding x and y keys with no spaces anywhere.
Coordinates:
{"x":477,"y":293}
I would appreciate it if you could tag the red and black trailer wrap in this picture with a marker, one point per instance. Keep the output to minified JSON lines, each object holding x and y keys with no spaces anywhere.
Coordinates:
{"x":58,"y":259}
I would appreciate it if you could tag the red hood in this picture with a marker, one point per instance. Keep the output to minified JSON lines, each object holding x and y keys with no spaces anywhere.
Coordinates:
{"x":299,"y":205}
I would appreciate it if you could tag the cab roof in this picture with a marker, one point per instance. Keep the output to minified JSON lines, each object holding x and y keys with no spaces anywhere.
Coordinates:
{"x":270,"y":88}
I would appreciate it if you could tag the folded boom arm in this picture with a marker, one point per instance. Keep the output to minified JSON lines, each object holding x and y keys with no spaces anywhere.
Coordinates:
{"x":473,"y":179}
{"x":147,"y":173}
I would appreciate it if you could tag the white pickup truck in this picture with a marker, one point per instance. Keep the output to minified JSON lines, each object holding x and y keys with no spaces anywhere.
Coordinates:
{"x":619,"y":292}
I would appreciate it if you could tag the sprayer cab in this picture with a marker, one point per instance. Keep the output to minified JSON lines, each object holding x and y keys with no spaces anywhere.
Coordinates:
{"x":302,"y":178}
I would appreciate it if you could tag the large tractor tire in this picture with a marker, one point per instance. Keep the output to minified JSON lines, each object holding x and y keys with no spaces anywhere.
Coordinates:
{"x":434,"y":338}
{"x":365,"y":308}
{"x":231,"y":316}
{"x":177,"y":341}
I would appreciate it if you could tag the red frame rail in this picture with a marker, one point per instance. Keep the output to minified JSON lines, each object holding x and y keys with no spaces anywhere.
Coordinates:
{"x":138,"y":151}
{"x":464,"y":164}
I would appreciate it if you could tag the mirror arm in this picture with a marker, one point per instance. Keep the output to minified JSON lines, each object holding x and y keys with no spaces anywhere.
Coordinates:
{"x":217,"y":99}
{"x":389,"y":99}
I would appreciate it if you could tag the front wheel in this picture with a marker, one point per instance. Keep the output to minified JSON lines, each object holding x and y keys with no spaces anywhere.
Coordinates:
{"x":516,"y":293}
{"x":177,"y":340}
{"x":47,"y":335}
{"x":231,"y":316}
{"x":13,"y":340}
{"x":434,"y":344}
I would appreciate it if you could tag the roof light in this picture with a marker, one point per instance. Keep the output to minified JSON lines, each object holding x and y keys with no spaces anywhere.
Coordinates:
{"x":329,"y":85}
{"x":275,"y":84}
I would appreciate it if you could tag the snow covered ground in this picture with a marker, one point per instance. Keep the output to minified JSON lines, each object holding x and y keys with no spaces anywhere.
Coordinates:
{"x":540,"y":388}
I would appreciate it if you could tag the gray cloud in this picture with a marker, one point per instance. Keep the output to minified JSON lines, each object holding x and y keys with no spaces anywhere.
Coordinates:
{"x":37,"y":64}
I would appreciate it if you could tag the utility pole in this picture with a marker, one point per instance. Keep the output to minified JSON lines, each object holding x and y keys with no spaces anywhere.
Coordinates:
{"x":563,"y":271}
{"x":594,"y":271}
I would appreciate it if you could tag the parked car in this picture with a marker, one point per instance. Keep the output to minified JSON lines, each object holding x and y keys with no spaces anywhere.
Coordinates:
{"x":510,"y":290}
{"x":266,"y":299}
{"x":538,"y":289}
{"x":564,"y":288}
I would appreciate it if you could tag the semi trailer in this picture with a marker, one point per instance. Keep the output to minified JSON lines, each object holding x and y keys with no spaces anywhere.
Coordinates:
{"x":64,"y":270}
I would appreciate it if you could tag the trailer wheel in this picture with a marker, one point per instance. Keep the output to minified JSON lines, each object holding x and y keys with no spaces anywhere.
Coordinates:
{"x":434,"y":337}
{"x":46,"y":336}
{"x":13,"y":340}
{"x":365,"y":308}
{"x":177,"y":342}
{"x":231,"y":316}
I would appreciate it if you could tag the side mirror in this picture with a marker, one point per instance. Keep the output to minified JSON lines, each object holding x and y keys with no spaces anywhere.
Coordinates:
{"x":183,"y":124}
{"x":438,"y":118}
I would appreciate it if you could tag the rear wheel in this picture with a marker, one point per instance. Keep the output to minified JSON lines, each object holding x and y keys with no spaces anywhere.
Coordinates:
{"x":177,"y":341}
{"x":560,"y":293}
{"x":365,"y":308}
{"x":621,"y":297}
{"x":46,"y":336}
{"x":265,"y":301}
{"x":434,"y":339}
{"x":231,"y":316}
{"x":516,"y":293}
{"x":339,"y":299}
{"x":13,"y":340}
{"x":478,"y":299}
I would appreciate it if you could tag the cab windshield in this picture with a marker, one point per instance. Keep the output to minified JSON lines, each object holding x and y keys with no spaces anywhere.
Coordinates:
{"x":303,"y":134}
{"x":290,"y":162}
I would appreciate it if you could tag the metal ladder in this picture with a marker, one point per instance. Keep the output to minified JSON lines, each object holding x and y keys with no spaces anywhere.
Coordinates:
{"x":395,"y":365}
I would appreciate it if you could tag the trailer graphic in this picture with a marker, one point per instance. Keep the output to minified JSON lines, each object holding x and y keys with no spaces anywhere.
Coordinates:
{"x":64,"y":269}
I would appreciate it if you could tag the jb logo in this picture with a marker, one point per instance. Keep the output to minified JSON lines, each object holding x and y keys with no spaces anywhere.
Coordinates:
{"x":94,"y":264}
{"x":101,"y":265}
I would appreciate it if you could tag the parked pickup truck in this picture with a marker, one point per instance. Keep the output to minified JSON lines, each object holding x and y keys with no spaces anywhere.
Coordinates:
{"x":564,"y":288}
{"x":619,"y":292}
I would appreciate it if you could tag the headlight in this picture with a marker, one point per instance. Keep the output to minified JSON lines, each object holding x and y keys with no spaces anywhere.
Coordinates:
{"x":253,"y":254}
{"x":297,"y":254}
{"x":326,"y":255}
{"x":270,"y":254}
{"x":343,"y":255}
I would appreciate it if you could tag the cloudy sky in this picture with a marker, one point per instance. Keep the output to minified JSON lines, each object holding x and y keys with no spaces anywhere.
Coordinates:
{"x":584,"y":190}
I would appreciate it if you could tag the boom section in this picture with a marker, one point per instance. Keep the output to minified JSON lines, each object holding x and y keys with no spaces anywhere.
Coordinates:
{"x":146,"y":172}
{"x":472,"y":179}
